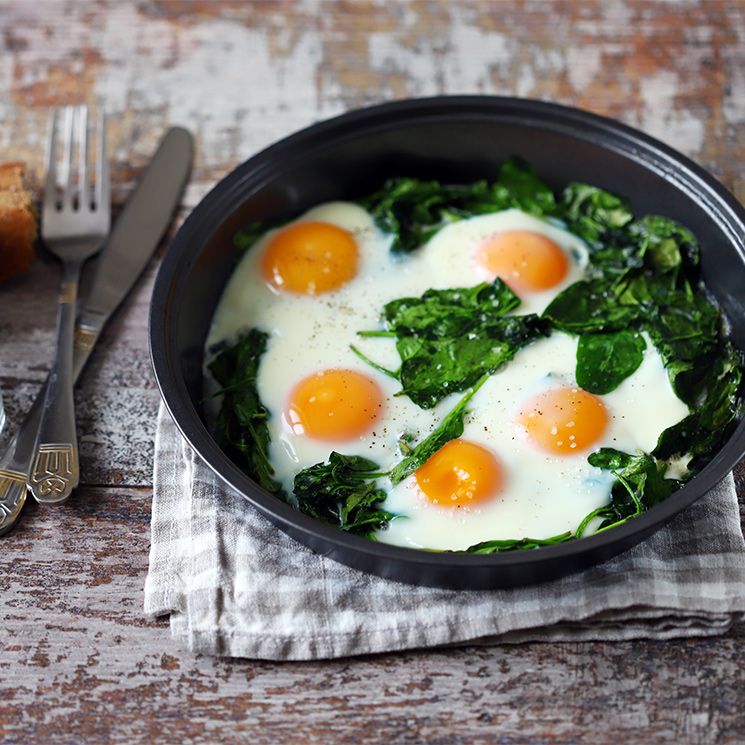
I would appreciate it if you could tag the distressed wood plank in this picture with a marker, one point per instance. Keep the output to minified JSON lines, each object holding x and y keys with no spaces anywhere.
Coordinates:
{"x":75,"y":640}
{"x":242,"y":74}
{"x":78,"y":661}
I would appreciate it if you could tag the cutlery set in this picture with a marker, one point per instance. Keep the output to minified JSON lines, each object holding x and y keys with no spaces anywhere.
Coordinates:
{"x":43,"y":456}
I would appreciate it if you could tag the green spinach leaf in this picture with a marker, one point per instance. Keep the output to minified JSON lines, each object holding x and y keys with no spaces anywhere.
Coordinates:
{"x":521,"y":544}
{"x":592,"y":213}
{"x":604,"y":361}
{"x":450,"y":428}
{"x":441,"y":313}
{"x":523,"y":188}
{"x":448,"y":339}
{"x":716,"y":406}
{"x":641,"y":484}
{"x":665,"y":243}
{"x":343,"y":492}
{"x":413,"y":210}
{"x":431,"y":369}
{"x":592,"y":306}
{"x":685,"y":328}
{"x":241,"y":426}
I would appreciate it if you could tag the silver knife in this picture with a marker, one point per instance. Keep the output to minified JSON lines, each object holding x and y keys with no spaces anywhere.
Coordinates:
{"x":131,"y":243}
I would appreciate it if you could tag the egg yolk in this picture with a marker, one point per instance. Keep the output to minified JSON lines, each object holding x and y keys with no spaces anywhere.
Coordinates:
{"x":524,"y":260}
{"x":334,"y":405}
{"x":310,"y":258}
{"x":460,"y":473}
{"x":563,"y":421}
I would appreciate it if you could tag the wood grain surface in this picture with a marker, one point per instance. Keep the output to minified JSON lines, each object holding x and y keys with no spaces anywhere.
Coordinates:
{"x":78,"y":661}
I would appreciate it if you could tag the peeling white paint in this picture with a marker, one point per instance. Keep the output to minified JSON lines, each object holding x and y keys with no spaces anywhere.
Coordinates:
{"x":224,"y":84}
{"x":240,"y":82}
{"x":681,"y":129}
{"x":387,"y":55}
{"x":733,"y":106}
{"x":473,"y":56}
{"x":582,"y":65}
{"x":526,"y":81}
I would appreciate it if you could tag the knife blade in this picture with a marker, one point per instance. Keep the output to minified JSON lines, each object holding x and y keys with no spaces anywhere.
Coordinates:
{"x":130,"y":246}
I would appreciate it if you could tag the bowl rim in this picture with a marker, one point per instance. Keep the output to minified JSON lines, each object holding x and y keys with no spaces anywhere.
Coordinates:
{"x":207,"y":216}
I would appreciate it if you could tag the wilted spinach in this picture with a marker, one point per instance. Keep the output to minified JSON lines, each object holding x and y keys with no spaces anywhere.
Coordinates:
{"x":521,"y":544}
{"x":712,"y":389}
{"x":592,"y":213}
{"x":448,"y":339}
{"x":343,"y":492}
{"x":606,"y":360}
{"x":652,"y":285}
{"x":413,"y":210}
{"x":591,"y":306}
{"x":641,"y":484}
{"x":441,"y":313}
{"x":241,"y":428}
{"x":449,"y":428}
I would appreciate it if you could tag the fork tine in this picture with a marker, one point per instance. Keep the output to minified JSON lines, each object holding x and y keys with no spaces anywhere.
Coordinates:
{"x":82,"y":139}
{"x":50,"y":184}
{"x":67,"y":141}
{"x":103,"y":181}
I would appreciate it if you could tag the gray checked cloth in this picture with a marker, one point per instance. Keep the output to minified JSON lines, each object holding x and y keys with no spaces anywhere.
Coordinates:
{"x":235,"y":585}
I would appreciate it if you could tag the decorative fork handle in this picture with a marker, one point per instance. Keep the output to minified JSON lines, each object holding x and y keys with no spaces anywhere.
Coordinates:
{"x":16,"y":459}
{"x":55,"y":471}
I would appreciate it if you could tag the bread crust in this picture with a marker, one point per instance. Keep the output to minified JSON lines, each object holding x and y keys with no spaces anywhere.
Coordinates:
{"x":17,"y":222}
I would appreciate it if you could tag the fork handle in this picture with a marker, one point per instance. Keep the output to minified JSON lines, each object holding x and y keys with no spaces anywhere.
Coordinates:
{"x":55,"y":471}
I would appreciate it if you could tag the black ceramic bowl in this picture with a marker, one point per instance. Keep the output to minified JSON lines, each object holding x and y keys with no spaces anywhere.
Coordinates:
{"x":453,"y":139}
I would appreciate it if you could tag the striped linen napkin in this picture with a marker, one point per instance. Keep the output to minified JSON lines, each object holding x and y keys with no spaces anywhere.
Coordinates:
{"x":235,"y":585}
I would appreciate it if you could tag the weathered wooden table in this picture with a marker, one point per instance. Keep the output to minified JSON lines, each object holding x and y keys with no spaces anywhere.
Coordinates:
{"x":78,"y":662}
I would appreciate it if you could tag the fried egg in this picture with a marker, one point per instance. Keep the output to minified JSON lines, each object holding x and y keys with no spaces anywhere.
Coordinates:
{"x":520,"y":468}
{"x":536,"y":259}
{"x":537,"y":429}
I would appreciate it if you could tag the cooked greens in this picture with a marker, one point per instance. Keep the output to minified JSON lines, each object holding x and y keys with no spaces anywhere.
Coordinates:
{"x":241,"y":428}
{"x":343,"y":492}
{"x":593,"y":214}
{"x":412,"y":210}
{"x":605,"y":360}
{"x":449,"y":428}
{"x":522,"y":544}
{"x":653,"y":286}
{"x":449,"y":339}
{"x":641,"y":484}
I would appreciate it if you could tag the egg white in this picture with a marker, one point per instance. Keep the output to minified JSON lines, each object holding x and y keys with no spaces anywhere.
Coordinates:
{"x":543,"y":495}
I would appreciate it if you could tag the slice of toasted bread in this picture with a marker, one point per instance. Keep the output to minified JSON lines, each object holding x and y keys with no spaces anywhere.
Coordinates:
{"x":17,"y":222}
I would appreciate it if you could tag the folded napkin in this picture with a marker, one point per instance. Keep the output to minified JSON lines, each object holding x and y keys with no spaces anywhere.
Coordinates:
{"x":235,"y":585}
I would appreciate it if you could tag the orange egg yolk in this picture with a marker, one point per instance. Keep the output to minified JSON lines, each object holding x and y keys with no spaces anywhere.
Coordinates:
{"x":334,"y":405}
{"x":564,"y":421}
{"x":310,"y":258}
{"x":524,"y":260}
{"x":459,"y":474}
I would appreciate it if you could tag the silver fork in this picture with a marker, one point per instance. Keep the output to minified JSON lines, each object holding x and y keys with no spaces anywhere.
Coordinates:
{"x":75,"y":222}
